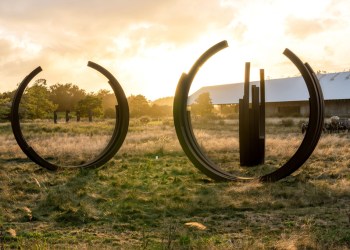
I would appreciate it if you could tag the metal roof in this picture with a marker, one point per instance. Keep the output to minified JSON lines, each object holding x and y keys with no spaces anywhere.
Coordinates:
{"x":334,"y":86}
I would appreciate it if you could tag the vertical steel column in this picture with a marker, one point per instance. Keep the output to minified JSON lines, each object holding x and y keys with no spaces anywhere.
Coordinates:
{"x":252,"y":123}
{"x":244,"y":144}
{"x":255,"y":148}
{"x":262,"y":116}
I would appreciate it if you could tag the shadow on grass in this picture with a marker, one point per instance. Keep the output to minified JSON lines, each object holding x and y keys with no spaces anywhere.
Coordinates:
{"x":148,"y":194}
{"x":155,"y":194}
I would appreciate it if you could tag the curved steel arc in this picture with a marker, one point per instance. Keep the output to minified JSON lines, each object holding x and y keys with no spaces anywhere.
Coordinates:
{"x":190,"y":145}
{"x":116,"y":141}
{"x":316,"y":118}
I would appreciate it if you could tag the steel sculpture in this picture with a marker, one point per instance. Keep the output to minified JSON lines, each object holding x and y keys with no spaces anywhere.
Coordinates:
{"x":184,"y":131}
{"x":252,"y":123}
{"x":116,"y":141}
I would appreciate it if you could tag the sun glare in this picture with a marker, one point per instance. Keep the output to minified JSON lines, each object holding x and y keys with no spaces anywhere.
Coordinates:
{"x":147,"y":59}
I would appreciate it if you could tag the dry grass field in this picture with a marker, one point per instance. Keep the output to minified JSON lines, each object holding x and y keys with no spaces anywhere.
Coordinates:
{"x":150,"y":196}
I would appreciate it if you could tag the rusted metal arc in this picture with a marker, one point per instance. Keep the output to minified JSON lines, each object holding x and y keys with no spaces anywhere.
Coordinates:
{"x":316,"y":118}
{"x":118,"y":136}
{"x":15,"y":123}
{"x":190,"y":145}
{"x":122,"y":117}
{"x":182,"y":121}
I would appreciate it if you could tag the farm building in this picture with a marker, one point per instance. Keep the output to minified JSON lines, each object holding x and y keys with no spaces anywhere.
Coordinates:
{"x":288,"y":96}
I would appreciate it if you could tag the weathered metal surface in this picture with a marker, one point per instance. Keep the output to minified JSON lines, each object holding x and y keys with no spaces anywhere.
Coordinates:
{"x":118,"y":136}
{"x":252,"y":123}
{"x":190,"y":145}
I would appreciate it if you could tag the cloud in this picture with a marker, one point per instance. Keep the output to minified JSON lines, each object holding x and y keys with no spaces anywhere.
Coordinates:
{"x":301,"y":28}
{"x":138,"y":39}
{"x":239,"y":30}
{"x":54,"y":33}
{"x":5,"y":49}
{"x":78,"y":27}
{"x":180,"y":20}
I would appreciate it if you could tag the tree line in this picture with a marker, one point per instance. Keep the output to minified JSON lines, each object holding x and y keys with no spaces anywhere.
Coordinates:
{"x":203,"y":107}
{"x":40,"y":101}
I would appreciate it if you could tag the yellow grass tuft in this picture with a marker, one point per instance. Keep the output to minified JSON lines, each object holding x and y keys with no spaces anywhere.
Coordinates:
{"x":296,"y":242}
{"x":28,"y":213}
{"x":196,"y":225}
{"x":12,"y":232}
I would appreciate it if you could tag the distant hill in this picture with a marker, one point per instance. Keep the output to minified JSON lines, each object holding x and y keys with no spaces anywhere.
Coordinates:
{"x":164,"y":101}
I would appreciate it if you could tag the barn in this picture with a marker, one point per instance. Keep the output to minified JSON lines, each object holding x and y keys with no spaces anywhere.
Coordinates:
{"x":288,"y":96}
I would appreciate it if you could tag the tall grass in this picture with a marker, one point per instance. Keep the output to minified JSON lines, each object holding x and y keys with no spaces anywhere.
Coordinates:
{"x":144,"y":197}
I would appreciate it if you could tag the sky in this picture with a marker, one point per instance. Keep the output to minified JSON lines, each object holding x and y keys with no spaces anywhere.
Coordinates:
{"x":147,"y":45}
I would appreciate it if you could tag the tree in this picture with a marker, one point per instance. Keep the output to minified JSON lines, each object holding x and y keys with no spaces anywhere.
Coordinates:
{"x":109,"y":101}
{"x":5,"y":105}
{"x":228,"y":110}
{"x":8,"y":94}
{"x":66,"y":96}
{"x":164,"y":101}
{"x":162,"y":107}
{"x":36,"y":103}
{"x":5,"y":108}
{"x":91,"y":103}
{"x":160,"y":110}
{"x":138,"y":105}
{"x":203,"y":105}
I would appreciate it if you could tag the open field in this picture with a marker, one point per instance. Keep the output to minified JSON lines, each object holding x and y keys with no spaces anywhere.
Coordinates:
{"x":145,"y":195}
